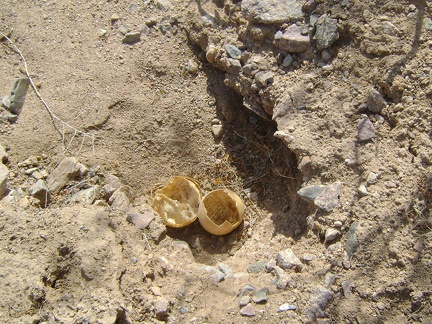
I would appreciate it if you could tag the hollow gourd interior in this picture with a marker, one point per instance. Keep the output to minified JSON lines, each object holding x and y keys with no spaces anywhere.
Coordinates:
{"x":177,"y":203}
{"x":221,"y":207}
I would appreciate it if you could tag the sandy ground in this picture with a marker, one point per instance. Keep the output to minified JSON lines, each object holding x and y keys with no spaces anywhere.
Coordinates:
{"x":134,"y":114}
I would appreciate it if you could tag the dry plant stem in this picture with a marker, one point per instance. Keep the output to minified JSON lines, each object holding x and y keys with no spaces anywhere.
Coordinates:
{"x":53,"y":116}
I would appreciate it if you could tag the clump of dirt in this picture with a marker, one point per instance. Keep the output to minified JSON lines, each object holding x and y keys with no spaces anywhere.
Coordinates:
{"x":330,"y":98}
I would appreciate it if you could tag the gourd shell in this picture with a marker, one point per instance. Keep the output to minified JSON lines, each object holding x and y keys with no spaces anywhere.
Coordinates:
{"x":177,"y":203}
{"x":221,"y":211}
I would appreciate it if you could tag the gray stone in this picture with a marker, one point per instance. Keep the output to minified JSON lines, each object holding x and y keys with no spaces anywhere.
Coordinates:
{"x":312,"y":192}
{"x":260,"y":296}
{"x":319,"y":298}
{"x":68,"y":169}
{"x":264,"y":79}
{"x":351,"y":240}
{"x":257,"y":267}
{"x":86,"y":196}
{"x":375,"y":101}
{"x":329,"y":279}
{"x":226,"y":270}
{"x":4,"y":174}
{"x":287,"y":60}
{"x":329,"y":197}
{"x":272,"y":11}
{"x":331,"y":234}
{"x":141,"y":220}
{"x":346,"y":287}
{"x":246,"y":289}
{"x":40,"y":191}
{"x":324,"y":197}
{"x":365,"y":130}
{"x":285,"y":307}
{"x":131,"y":38}
{"x":217,"y":275}
{"x":18,"y":94}
{"x":247,"y":310}
{"x":244,"y":300}
{"x":326,"y":31}
{"x":286,"y":259}
{"x":293,"y":40}
{"x":233,"y":51}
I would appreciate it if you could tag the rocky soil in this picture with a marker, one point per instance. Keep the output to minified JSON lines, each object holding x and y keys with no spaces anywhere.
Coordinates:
{"x":316,"y":113}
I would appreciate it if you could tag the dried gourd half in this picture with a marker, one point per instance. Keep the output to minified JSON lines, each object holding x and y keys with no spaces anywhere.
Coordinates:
{"x":177,"y":203}
{"x":221,"y":211}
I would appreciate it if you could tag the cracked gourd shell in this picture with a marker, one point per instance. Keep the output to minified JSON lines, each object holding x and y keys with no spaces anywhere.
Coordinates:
{"x":177,"y":203}
{"x":221,"y":211}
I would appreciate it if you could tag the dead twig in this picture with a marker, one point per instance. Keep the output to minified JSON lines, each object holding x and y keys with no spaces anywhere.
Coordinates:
{"x":53,"y":116}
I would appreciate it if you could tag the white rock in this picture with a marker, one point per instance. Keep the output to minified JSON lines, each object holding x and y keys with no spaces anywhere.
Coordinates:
{"x":287,"y":138}
{"x":331,"y":234}
{"x":362,"y":190}
{"x":286,"y":259}
{"x":372,"y":178}
{"x":217,"y":131}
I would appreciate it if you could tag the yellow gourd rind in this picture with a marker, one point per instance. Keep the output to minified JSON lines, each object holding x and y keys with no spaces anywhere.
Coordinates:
{"x":221,"y":211}
{"x":177,"y":203}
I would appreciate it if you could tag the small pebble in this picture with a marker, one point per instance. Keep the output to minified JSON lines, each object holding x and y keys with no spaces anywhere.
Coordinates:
{"x":102,"y":32}
{"x":362,"y":190}
{"x":337,"y":224}
{"x":346,"y":287}
{"x":225,"y":269}
{"x":331,"y":234}
{"x":257,"y":267}
{"x":247,"y":310}
{"x":217,"y":131}
{"x":192,"y":67}
{"x":260,"y":296}
{"x":307,"y":257}
{"x":114,"y":17}
{"x":285,"y":307}
{"x":244,"y":300}
{"x":132,"y":38}
{"x":233,"y":51}
{"x":372,"y":178}
{"x":390,"y":185}
{"x":287,"y":60}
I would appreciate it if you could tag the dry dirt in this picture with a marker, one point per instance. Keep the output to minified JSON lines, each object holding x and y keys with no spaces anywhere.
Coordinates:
{"x":143,"y":112}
